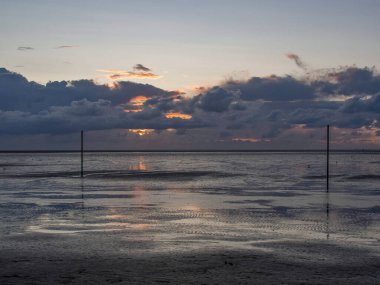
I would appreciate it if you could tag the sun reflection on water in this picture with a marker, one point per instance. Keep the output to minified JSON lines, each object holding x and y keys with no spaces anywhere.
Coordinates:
{"x":140,"y":165}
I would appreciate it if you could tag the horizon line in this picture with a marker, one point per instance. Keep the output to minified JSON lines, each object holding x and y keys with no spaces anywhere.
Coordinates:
{"x":192,"y":150}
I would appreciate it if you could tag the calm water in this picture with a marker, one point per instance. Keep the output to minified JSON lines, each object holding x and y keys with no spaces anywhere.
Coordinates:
{"x":161,"y":202}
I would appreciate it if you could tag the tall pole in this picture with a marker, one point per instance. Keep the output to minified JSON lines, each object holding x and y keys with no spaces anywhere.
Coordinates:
{"x":81,"y":154}
{"x":327,"y":157}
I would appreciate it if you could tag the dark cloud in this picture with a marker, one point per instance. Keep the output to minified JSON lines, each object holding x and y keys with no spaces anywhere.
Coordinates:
{"x":362,"y":104}
{"x":99,"y":115}
{"x":162,"y":104}
{"x":273,"y":88}
{"x":17,"y":93}
{"x":216,"y":100}
{"x":271,"y":105}
{"x":348,"y":81}
{"x":66,"y":46}
{"x":238,"y":106}
{"x":225,"y":134}
{"x":353,"y":80}
{"x":24,"y":48}
{"x":67,"y":106}
{"x":140,"y":67}
{"x":297,"y":60}
{"x":253,"y":110}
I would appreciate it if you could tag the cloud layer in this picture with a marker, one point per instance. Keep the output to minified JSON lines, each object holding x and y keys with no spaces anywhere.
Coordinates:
{"x":260,"y":109}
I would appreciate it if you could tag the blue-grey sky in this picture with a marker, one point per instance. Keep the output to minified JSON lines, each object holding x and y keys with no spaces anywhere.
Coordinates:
{"x":191,"y":46}
{"x":187,"y":42}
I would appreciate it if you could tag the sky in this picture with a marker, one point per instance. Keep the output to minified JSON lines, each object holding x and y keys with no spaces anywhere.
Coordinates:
{"x":210,"y":74}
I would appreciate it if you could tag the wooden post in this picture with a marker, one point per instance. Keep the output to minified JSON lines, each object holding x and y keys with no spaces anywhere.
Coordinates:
{"x":81,"y":154}
{"x":327,"y":158}
{"x":327,"y":215}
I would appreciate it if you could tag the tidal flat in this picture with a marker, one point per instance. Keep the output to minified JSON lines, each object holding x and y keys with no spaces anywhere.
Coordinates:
{"x":189,"y":218}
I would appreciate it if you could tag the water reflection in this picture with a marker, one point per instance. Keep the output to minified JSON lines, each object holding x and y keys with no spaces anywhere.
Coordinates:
{"x":176,"y":199}
{"x":139,"y":166}
{"x":192,"y":208}
{"x":82,"y":193}
{"x":141,"y":197}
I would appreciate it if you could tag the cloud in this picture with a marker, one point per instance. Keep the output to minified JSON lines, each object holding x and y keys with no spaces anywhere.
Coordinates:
{"x":360,"y":104}
{"x":61,"y":107}
{"x":354,"y":80}
{"x":17,"y":93}
{"x":297,"y":60}
{"x":272,"y":105}
{"x":272,"y":88}
{"x":138,"y":75}
{"x":123,"y":74}
{"x":176,"y":115}
{"x":251,"y":140}
{"x":25,"y":48}
{"x":87,"y":115}
{"x":140,"y":67}
{"x":216,"y":100}
{"x":67,"y":46}
{"x":259,"y":110}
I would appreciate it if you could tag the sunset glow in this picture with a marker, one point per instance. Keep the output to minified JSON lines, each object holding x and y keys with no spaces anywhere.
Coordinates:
{"x":141,"y":132}
{"x":358,"y":137}
{"x":138,"y":100}
{"x":124,"y":74}
{"x":135,"y":104}
{"x":140,"y":166}
{"x":128,"y":110}
{"x":178,"y":115}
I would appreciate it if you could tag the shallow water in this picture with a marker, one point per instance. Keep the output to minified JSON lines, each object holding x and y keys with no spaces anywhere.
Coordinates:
{"x":170,"y":202}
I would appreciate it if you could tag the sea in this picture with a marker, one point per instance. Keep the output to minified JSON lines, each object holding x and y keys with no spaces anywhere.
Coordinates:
{"x":140,"y":202}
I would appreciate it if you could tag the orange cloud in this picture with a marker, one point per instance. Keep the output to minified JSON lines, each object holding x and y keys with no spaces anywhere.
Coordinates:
{"x":135,"y":104}
{"x":138,"y":100}
{"x":115,"y":74}
{"x":138,"y":75}
{"x":178,"y":115}
{"x":130,"y":110}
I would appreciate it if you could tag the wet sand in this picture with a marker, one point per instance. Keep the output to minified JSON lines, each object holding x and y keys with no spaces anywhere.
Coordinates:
{"x":102,"y":258}
{"x":40,"y":265}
